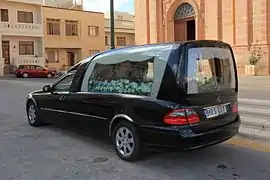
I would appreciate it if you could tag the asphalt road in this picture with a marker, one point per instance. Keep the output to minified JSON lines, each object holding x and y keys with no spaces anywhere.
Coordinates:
{"x":59,"y":152}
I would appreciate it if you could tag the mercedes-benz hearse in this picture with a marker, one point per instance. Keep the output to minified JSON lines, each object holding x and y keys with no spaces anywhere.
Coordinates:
{"x":174,"y":95}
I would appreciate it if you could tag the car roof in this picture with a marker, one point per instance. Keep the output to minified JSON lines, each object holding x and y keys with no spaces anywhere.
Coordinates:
{"x":89,"y":58}
{"x":160,"y":44}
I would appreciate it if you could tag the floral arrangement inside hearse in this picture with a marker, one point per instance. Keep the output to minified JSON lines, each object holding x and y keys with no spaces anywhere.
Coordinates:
{"x":128,"y":78}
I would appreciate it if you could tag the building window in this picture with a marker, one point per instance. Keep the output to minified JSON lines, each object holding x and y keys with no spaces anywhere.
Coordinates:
{"x":71,"y":28}
{"x":4,"y":15}
{"x":93,"y":30}
{"x":25,"y":17}
{"x":183,"y":11}
{"x":121,"y":41}
{"x":53,"y":26}
{"x":52,"y":56}
{"x":106,"y":41}
{"x":26,"y":48}
{"x":93,"y":52}
{"x":120,"y":17}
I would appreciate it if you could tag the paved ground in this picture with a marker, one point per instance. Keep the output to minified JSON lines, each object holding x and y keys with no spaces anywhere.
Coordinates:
{"x":54,"y":152}
{"x":254,"y":87}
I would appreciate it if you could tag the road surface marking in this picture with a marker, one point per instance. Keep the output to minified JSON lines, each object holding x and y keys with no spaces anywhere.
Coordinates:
{"x":251,"y":144}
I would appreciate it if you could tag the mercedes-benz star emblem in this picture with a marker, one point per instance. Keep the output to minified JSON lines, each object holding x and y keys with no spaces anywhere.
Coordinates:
{"x":218,"y":99}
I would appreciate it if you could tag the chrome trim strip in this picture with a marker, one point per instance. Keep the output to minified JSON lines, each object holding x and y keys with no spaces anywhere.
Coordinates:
{"x":73,"y":113}
{"x":124,"y":116}
{"x":30,"y":97}
{"x":224,"y":104}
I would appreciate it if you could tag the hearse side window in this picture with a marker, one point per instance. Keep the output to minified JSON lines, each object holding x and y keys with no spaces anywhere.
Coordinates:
{"x":210,"y":69}
{"x":124,"y":76}
{"x":134,"y":70}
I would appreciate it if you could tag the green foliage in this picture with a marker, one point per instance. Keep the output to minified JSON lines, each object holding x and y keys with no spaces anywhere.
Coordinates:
{"x":207,"y":84}
{"x":256,"y":54}
{"x":121,"y":86}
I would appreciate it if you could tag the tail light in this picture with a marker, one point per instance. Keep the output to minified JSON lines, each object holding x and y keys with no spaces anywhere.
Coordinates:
{"x":182,"y":117}
{"x":235,"y":108}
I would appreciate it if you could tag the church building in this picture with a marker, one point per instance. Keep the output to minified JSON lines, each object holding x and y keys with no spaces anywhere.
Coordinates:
{"x":244,"y":24}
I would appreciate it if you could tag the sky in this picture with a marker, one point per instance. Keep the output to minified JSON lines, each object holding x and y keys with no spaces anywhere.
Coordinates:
{"x":104,"y":5}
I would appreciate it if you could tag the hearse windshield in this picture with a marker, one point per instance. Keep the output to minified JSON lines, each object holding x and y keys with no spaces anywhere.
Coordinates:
{"x":210,"y":69}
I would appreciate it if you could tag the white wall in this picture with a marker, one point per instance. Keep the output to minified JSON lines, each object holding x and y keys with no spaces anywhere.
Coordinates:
{"x":14,"y":45}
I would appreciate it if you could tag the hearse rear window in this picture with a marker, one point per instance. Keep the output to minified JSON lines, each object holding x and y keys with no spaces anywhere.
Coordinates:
{"x":210,"y":69}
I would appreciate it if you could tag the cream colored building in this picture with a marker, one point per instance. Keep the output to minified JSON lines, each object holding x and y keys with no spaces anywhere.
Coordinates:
{"x":21,"y":34}
{"x":71,"y":35}
{"x":124,"y":29}
{"x":69,"y":4}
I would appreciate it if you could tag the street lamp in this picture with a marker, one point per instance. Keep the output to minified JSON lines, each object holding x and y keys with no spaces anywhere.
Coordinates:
{"x":112,"y":23}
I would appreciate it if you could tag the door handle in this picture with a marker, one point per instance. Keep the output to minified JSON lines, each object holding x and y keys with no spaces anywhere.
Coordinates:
{"x":61,"y":98}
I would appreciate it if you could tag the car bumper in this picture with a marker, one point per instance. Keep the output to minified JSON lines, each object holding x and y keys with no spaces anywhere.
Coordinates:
{"x":184,"y":138}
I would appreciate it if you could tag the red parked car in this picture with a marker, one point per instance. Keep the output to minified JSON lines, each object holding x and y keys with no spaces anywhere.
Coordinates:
{"x":36,"y":71}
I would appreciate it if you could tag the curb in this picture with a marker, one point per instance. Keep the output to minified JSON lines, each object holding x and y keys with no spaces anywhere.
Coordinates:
{"x":254,"y":102}
{"x":254,"y":134}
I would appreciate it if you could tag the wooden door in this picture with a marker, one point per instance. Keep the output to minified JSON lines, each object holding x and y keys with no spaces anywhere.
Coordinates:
{"x":5,"y":51}
{"x":179,"y":30}
{"x":71,"y":59}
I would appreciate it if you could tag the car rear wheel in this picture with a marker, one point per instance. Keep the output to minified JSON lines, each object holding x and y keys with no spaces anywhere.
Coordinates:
{"x":32,"y":114}
{"x":25,"y":75}
{"x":49,"y":75}
{"x":126,"y":141}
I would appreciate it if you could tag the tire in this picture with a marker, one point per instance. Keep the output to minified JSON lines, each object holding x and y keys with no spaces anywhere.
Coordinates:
{"x":49,"y":75}
{"x":25,"y":75}
{"x":33,"y":115}
{"x":135,"y":150}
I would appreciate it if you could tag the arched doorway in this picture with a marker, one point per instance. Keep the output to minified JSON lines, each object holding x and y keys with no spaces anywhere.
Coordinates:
{"x":184,"y":23}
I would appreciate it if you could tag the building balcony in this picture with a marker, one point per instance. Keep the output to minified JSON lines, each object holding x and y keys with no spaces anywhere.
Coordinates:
{"x":21,"y":29}
{"x":120,"y":26}
{"x":21,"y":60}
{"x":37,"y":2}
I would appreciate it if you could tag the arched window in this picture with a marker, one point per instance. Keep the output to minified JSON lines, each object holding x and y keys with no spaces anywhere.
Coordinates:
{"x":183,"y":11}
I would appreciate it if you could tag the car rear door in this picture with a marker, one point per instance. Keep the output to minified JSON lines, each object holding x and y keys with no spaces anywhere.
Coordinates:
{"x":40,"y":71}
{"x":211,"y":87}
{"x":31,"y":71}
{"x":92,"y":109}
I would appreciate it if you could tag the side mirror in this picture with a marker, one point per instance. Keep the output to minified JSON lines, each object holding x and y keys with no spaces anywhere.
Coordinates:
{"x":47,"y":88}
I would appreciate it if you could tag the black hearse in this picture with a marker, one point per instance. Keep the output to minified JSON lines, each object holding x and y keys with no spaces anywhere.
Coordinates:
{"x":177,"y":95}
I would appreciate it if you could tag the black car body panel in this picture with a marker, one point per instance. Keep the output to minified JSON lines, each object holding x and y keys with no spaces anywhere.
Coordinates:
{"x":147,"y":112}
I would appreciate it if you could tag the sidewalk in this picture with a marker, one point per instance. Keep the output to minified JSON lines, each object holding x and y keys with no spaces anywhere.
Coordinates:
{"x":250,"y":81}
{"x":255,"y":117}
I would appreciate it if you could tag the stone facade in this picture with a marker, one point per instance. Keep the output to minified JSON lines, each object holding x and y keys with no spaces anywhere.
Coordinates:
{"x":241,"y":23}
{"x":124,"y":31}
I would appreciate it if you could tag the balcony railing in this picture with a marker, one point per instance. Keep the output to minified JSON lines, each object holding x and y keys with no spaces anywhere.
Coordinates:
{"x":121,"y":24}
{"x":21,"y":60}
{"x":37,"y":2}
{"x":21,"y":29}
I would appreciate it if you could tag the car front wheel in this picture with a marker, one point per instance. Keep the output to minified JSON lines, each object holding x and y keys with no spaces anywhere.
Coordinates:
{"x":32,"y":114}
{"x":126,"y":141}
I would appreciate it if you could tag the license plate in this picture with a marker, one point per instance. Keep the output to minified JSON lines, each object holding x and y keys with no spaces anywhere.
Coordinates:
{"x":215,"y":111}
